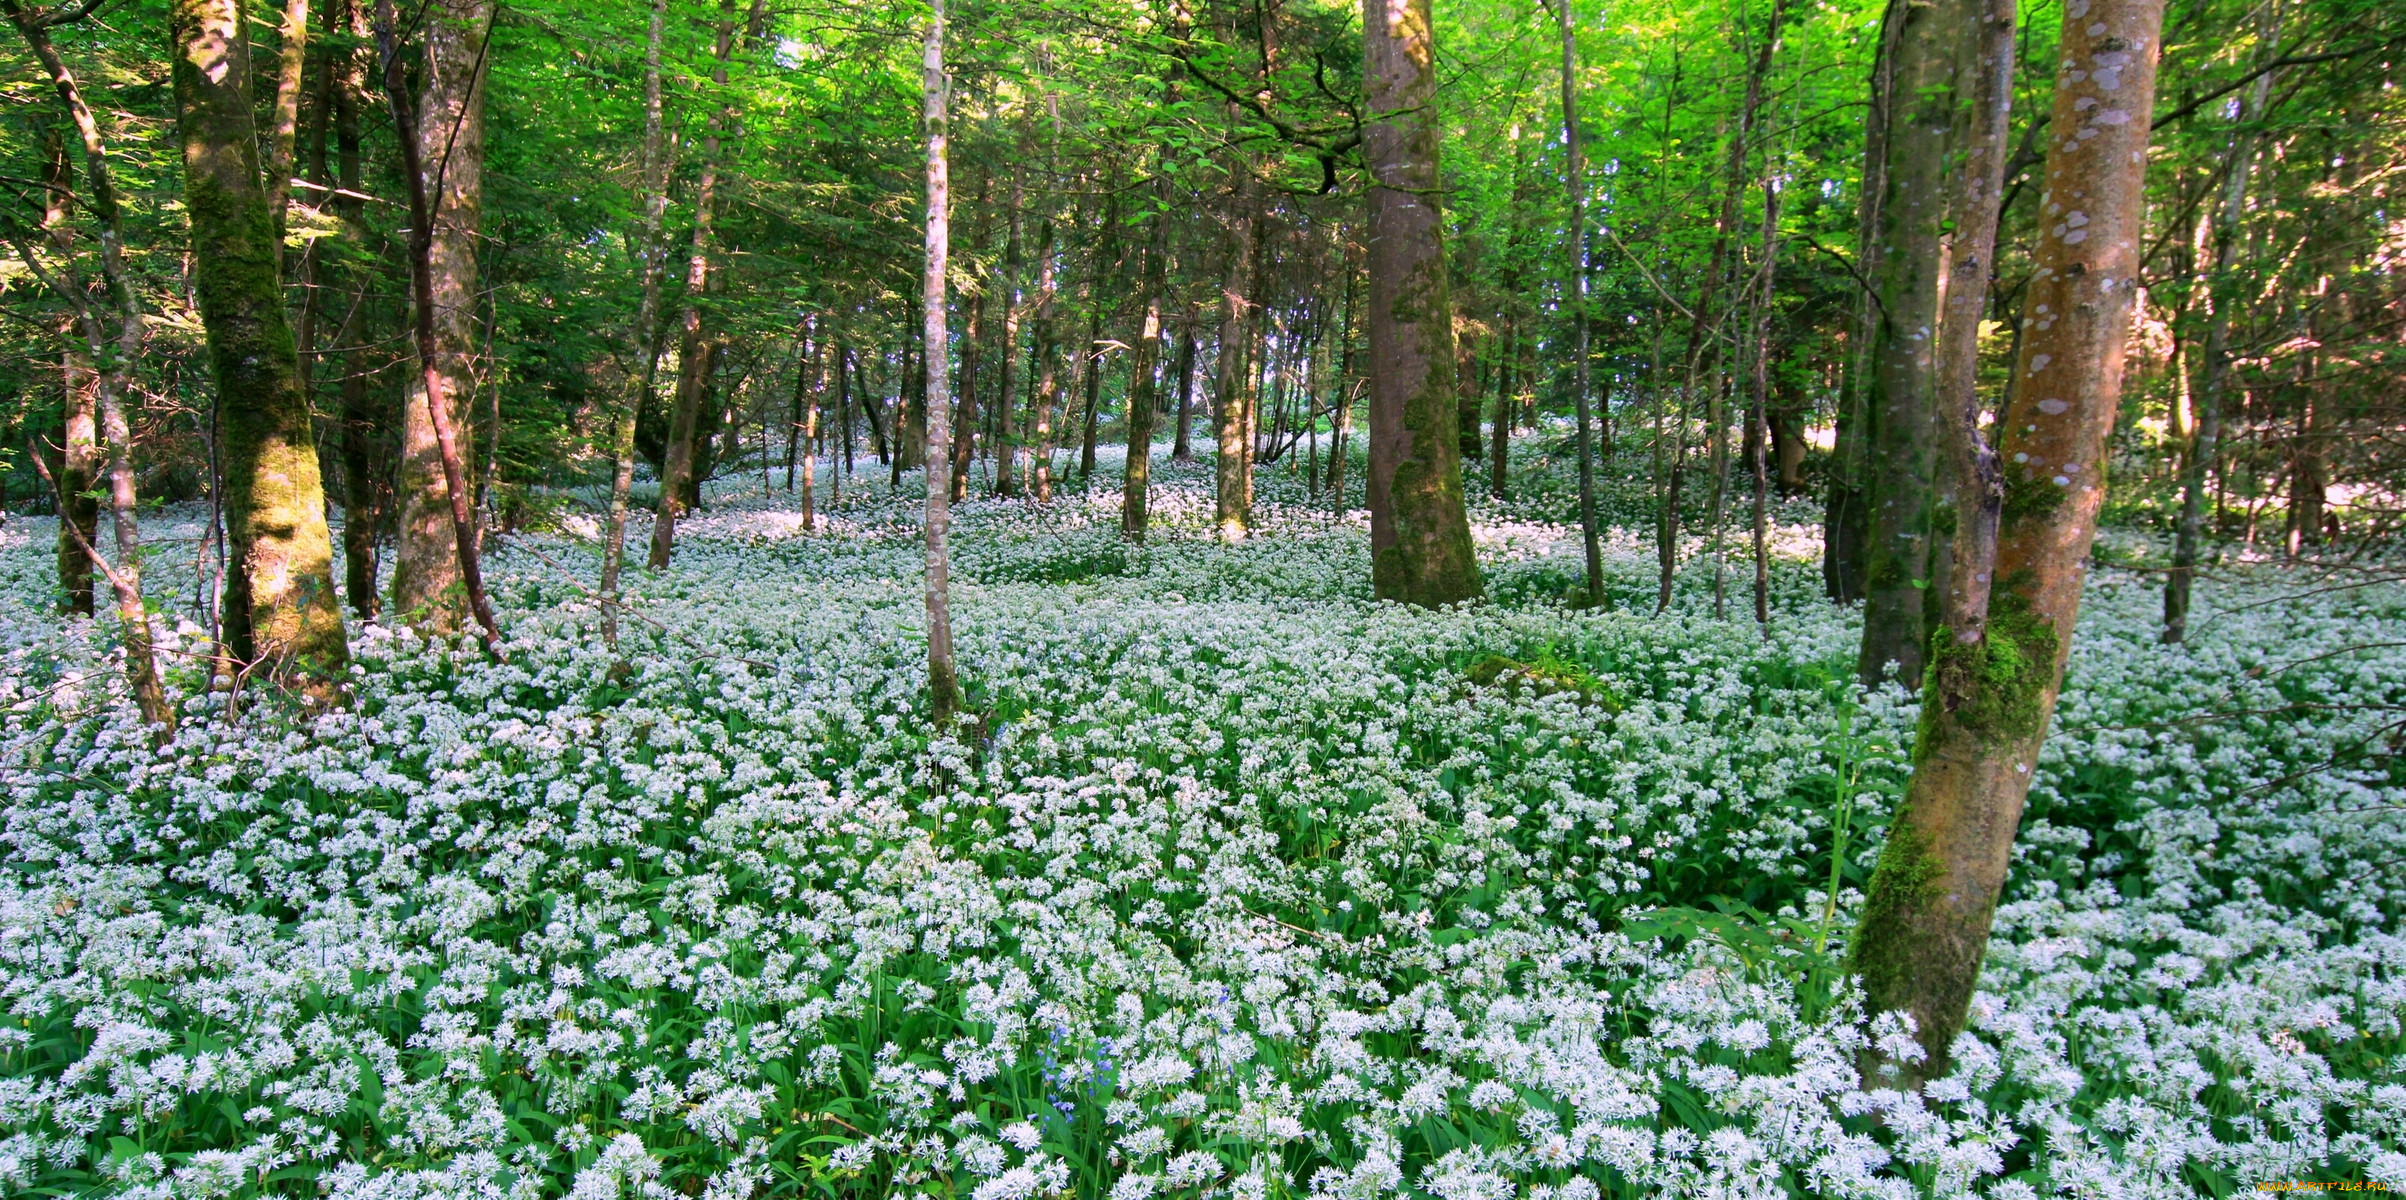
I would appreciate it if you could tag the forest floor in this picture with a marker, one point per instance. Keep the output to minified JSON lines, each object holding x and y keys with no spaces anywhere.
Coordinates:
{"x":1238,"y":884}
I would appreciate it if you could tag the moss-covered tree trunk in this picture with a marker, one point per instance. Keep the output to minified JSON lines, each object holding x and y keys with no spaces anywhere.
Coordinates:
{"x":448,"y":135}
{"x":280,"y":606}
{"x":1898,"y":414}
{"x":694,"y":346}
{"x":1420,"y":550}
{"x":1998,"y":662}
{"x":442,"y":166}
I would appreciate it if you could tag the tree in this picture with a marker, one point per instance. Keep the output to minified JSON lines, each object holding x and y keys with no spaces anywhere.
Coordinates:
{"x":1420,"y":550}
{"x":1575,"y":182}
{"x":1232,"y":465}
{"x":2223,"y":286}
{"x":112,"y":359}
{"x":643,"y":341}
{"x":2025,"y":514}
{"x":1900,"y":407}
{"x":435,"y":557}
{"x":1143,"y":389}
{"x":280,"y":609}
{"x":943,"y":680}
{"x":696,"y":351}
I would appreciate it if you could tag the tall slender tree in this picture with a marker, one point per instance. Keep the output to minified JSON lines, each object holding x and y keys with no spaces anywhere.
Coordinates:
{"x":1575,"y":185}
{"x":112,"y":358}
{"x":943,"y":679}
{"x":2223,"y":299}
{"x":696,"y":352}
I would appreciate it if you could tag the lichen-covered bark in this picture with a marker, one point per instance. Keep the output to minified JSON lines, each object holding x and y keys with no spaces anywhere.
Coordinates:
{"x":428,"y":590}
{"x":1420,"y":550}
{"x":280,"y":605}
{"x":1989,"y":699}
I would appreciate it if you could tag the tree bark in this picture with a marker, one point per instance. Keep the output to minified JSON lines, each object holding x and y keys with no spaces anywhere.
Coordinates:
{"x":1143,"y":390}
{"x":79,"y":451}
{"x":1760,"y":350}
{"x":447,"y":145}
{"x":2223,"y":291}
{"x":1182,"y":444}
{"x":1006,"y":433}
{"x":1900,"y":409}
{"x":1999,"y":660}
{"x":695,"y":350}
{"x":943,"y":680}
{"x":1420,"y":549}
{"x":365,"y":416}
{"x":284,"y":119}
{"x":442,"y":314}
{"x":1232,"y":468}
{"x":280,"y":607}
{"x":1575,"y":184}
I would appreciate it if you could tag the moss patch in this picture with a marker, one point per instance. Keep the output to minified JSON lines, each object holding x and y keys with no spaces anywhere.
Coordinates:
{"x":1993,"y":690}
{"x":1883,"y":952}
{"x":2030,"y":498}
{"x":1545,"y":674}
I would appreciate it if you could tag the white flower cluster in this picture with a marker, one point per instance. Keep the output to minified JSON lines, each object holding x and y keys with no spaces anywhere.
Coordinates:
{"x":1236,"y":885}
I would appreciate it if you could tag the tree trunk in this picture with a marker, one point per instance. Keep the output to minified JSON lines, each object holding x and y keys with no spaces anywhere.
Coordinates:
{"x":366,"y":417}
{"x":678,"y":477}
{"x":79,"y":452}
{"x":1006,"y":433}
{"x":1575,"y":187}
{"x":943,"y":681}
{"x":2223,"y":290}
{"x":2000,"y":661}
{"x":437,"y":537}
{"x":1182,"y":446}
{"x":1900,"y":408}
{"x":1760,"y":428}
{"x":1233,"y":479}
{"x":280,"y":608}
{"x":113,"y":364}
{"x":1047,"y":385}
{"x":1846,"y":516}
{"x":1342,"y":421}
{"x":284,"y":118}
{"x":1143,"y":389}
{"x":1499,"y":442}
{"x":1420,"y":550}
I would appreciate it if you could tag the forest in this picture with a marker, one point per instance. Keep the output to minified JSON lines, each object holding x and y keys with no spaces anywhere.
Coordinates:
{"x":1206,"y":599}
